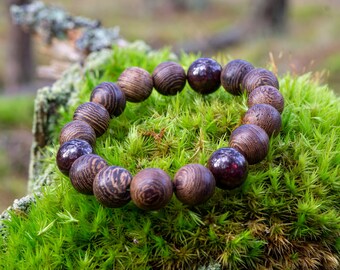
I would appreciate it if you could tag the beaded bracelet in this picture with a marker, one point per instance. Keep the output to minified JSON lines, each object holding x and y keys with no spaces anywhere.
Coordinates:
{"x":193,"y":184}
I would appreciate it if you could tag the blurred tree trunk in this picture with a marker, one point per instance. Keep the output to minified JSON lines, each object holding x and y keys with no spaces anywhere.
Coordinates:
{"x":265,"y":17}
{"x":19,"y":67}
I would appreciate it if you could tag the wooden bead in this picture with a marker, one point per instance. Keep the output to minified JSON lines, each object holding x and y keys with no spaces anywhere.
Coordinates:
{"x":266,"y":94}
{"x":110,"y":96}
{"x":204,"y":75}
{"x":77,"y":130}
{"x":69,"y":152}
{"x":251,"y":141}
{"x":111,"y":186}
{"x":264,"y":116}
{"x":84,"y":170}
{"x":95,"y":115}
{"x":194,"y":184}
{"x":258,"y":77}
{"x":233,"y":74}
{"x":151,"y":189}
{"x":169,"y":78}
{"x":229,"y":167}
{"x":136,"y":83}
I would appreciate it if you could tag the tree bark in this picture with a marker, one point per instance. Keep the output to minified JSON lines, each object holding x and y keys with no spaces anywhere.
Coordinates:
{"x":19,"y":67}
{"x":266,"y":17}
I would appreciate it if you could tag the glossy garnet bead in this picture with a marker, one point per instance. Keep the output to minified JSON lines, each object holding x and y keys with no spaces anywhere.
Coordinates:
{"x":229,"y":167}
{"x":69,"y":152}
{"x":204,"y":75}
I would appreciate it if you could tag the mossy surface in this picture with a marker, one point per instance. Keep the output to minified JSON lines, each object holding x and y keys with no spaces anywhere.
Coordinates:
{"x":285,"y":216}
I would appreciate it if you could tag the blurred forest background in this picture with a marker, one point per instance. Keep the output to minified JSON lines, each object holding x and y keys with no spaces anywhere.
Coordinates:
{"x":303,"y":37}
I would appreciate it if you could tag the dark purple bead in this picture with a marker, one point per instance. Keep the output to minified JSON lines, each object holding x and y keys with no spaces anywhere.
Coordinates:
{"x":229,"y":168}
{"x":69,"y":152}
{"x":204,"y":75}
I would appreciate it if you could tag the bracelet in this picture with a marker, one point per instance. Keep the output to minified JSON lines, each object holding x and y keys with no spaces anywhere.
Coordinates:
{"x":193,"y":184}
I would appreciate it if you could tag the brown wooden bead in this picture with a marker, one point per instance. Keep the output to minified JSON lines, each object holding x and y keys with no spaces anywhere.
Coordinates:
{"x":84,"y":170}
{"x":232,"y":75}
{"x":110,"y":96}
{"x":169,"y":78}
{"x":264,"y":116}
{"x":258,"y":77}
{"x":69,"y":152}
{"x":95,"y":115}
{"x":266,"y":94}
{"x":194,"y":184}
{"x":77,"y":130}
{"x":111,"y":186}
{"x":136,"y":83}
{"x":151,"y":189}
{"x":251,"y":141}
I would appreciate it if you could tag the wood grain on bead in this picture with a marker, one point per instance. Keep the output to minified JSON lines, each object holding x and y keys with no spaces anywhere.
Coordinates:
{"x":264,"y":116}
{"x":258,"y":77}
{"x":111,"y":186}
{"x":69,"y":152}
{"x":95,"y":115}
{"x":232,"y":75}
{"x":266,"y":94}
{"x":169,"y":78}
{"x":136,"y":83}
{"x":229,"y":167}
{"x":151,"y":189}
{"x":84,"y":170}
{"x":251,"y":141}
{"x":77,"y":130}
{"x":194,"y":184}
{"x":204,"y":75}
{"x":110,"y":96}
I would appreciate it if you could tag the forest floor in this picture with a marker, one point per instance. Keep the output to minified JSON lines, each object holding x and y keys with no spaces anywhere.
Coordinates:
{"x":311,"y":43}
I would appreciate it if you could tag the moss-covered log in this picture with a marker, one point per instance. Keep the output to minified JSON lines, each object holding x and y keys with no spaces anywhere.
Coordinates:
{"x":285,"y":216}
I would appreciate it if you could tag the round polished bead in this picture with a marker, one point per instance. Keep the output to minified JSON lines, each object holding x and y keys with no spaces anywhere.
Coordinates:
{"x":251,"y":141}
{"x":264,"y":116}
{"x":266,"y":94}
{"x":69,"y":152}
{"x":169,"y":78}
{"x":110,"y":96}
{"x":136,"y":83}
{"x":233,"y":74}
{"x":111,"y":186}
{"x":84,"y":170}
{"x":194,"y":184}
{"x":77,"y":130}
{"x":229,"y":167}
{"x":95,"y":115}
{"x":204,"y":75}
{"x":151,"y":189}
{"x":258,"y":77}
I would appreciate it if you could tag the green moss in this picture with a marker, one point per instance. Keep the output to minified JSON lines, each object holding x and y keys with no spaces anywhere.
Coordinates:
{"x":16,"y":111}
{"x":285,"y":216}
